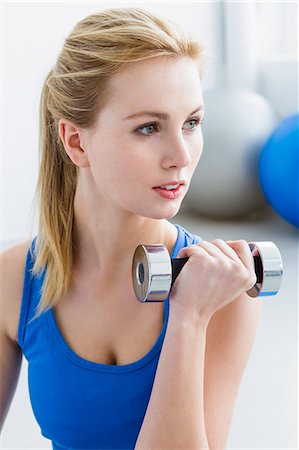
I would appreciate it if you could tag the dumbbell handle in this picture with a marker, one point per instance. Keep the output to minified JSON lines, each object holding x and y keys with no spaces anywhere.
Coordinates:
{"x":178,"y":263}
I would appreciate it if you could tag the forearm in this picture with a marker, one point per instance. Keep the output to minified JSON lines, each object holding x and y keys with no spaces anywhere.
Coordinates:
{"x":175,"y":415}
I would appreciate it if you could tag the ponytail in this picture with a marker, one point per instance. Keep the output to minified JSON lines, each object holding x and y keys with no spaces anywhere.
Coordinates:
{"x":56,"y":190}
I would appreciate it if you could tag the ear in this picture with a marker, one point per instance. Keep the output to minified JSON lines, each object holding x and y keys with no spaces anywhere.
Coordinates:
{"x":72,"y":142}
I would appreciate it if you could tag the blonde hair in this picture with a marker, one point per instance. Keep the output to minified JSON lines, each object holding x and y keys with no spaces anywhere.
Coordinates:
{"x":76,"y":89}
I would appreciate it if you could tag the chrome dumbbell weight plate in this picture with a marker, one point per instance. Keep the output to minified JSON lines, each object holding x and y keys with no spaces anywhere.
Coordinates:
{"x":151,"y":273}
{"x":268,"y":267}
{"x":154,"y":272}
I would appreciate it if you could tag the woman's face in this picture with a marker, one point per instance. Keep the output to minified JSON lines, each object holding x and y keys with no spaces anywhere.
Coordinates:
{"x":129,"y":156}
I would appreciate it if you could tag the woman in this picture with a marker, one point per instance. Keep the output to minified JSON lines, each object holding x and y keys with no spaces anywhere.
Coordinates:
{"x":120,"y":126}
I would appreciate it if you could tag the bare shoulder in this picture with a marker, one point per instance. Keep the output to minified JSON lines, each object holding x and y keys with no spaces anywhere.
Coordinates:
{"x":12,"y":267}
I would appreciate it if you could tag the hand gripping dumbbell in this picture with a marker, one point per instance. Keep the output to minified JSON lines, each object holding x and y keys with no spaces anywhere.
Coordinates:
{"x":154,"y":272}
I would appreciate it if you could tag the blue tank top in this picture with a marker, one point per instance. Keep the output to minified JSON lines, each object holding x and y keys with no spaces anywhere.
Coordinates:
{"x":80,"y":404}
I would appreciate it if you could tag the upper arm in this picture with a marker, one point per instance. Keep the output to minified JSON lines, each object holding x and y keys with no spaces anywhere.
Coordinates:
{"x":230,"y":337}
{"x":12,"y":266}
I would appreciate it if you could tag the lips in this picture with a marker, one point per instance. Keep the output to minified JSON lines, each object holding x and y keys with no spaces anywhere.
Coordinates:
{"x":170,"y":194}
{"x":173,"y":182}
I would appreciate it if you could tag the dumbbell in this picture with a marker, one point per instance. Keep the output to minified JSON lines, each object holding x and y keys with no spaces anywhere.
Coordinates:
{"x":154,"y":272}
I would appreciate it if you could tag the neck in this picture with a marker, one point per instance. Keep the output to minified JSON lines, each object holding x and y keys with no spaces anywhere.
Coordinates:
{"x":105,"y":238}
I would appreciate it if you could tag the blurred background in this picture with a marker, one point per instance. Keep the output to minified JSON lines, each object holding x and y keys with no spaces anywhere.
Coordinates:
{"x":246,"y":185}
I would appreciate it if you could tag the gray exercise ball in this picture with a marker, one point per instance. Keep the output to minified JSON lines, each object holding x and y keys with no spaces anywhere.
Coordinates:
{"x":236,"y":124}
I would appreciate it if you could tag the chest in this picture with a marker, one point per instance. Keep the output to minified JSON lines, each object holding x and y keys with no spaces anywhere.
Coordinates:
{"x":109,"y":328}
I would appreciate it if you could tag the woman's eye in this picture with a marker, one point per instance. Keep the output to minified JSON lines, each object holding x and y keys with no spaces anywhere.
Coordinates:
{"x":192,"y":123}
{"x":149,"y":129}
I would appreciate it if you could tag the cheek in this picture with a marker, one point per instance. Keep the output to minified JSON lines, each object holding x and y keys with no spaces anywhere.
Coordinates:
{"x":197,"y":152}
{"x":106,"y":160}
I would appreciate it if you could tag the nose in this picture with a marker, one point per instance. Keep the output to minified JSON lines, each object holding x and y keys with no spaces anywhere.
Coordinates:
{"x":177,"y":152}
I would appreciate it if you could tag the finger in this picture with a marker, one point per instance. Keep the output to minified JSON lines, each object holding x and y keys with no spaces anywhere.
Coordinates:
{"x":226,"y":249}
{"x":242,"y":249}
{"x":210,"y":248}
{"x":193,"y":249}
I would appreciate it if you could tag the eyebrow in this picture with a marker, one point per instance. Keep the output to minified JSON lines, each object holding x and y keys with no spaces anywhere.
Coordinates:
{"x":160,"y":115}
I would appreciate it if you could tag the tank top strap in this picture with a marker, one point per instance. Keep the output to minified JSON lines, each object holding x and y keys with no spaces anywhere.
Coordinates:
{"x":185,"y":238}
{"x":31,"y":294}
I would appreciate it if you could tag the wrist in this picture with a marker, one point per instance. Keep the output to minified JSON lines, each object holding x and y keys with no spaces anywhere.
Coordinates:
{"x":182,"y":318}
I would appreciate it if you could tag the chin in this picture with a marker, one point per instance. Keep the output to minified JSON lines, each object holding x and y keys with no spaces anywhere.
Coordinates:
{"x":168,"y":213}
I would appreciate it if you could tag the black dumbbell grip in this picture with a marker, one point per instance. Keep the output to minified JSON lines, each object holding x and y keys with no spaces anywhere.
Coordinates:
{"x":178,"y":263}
